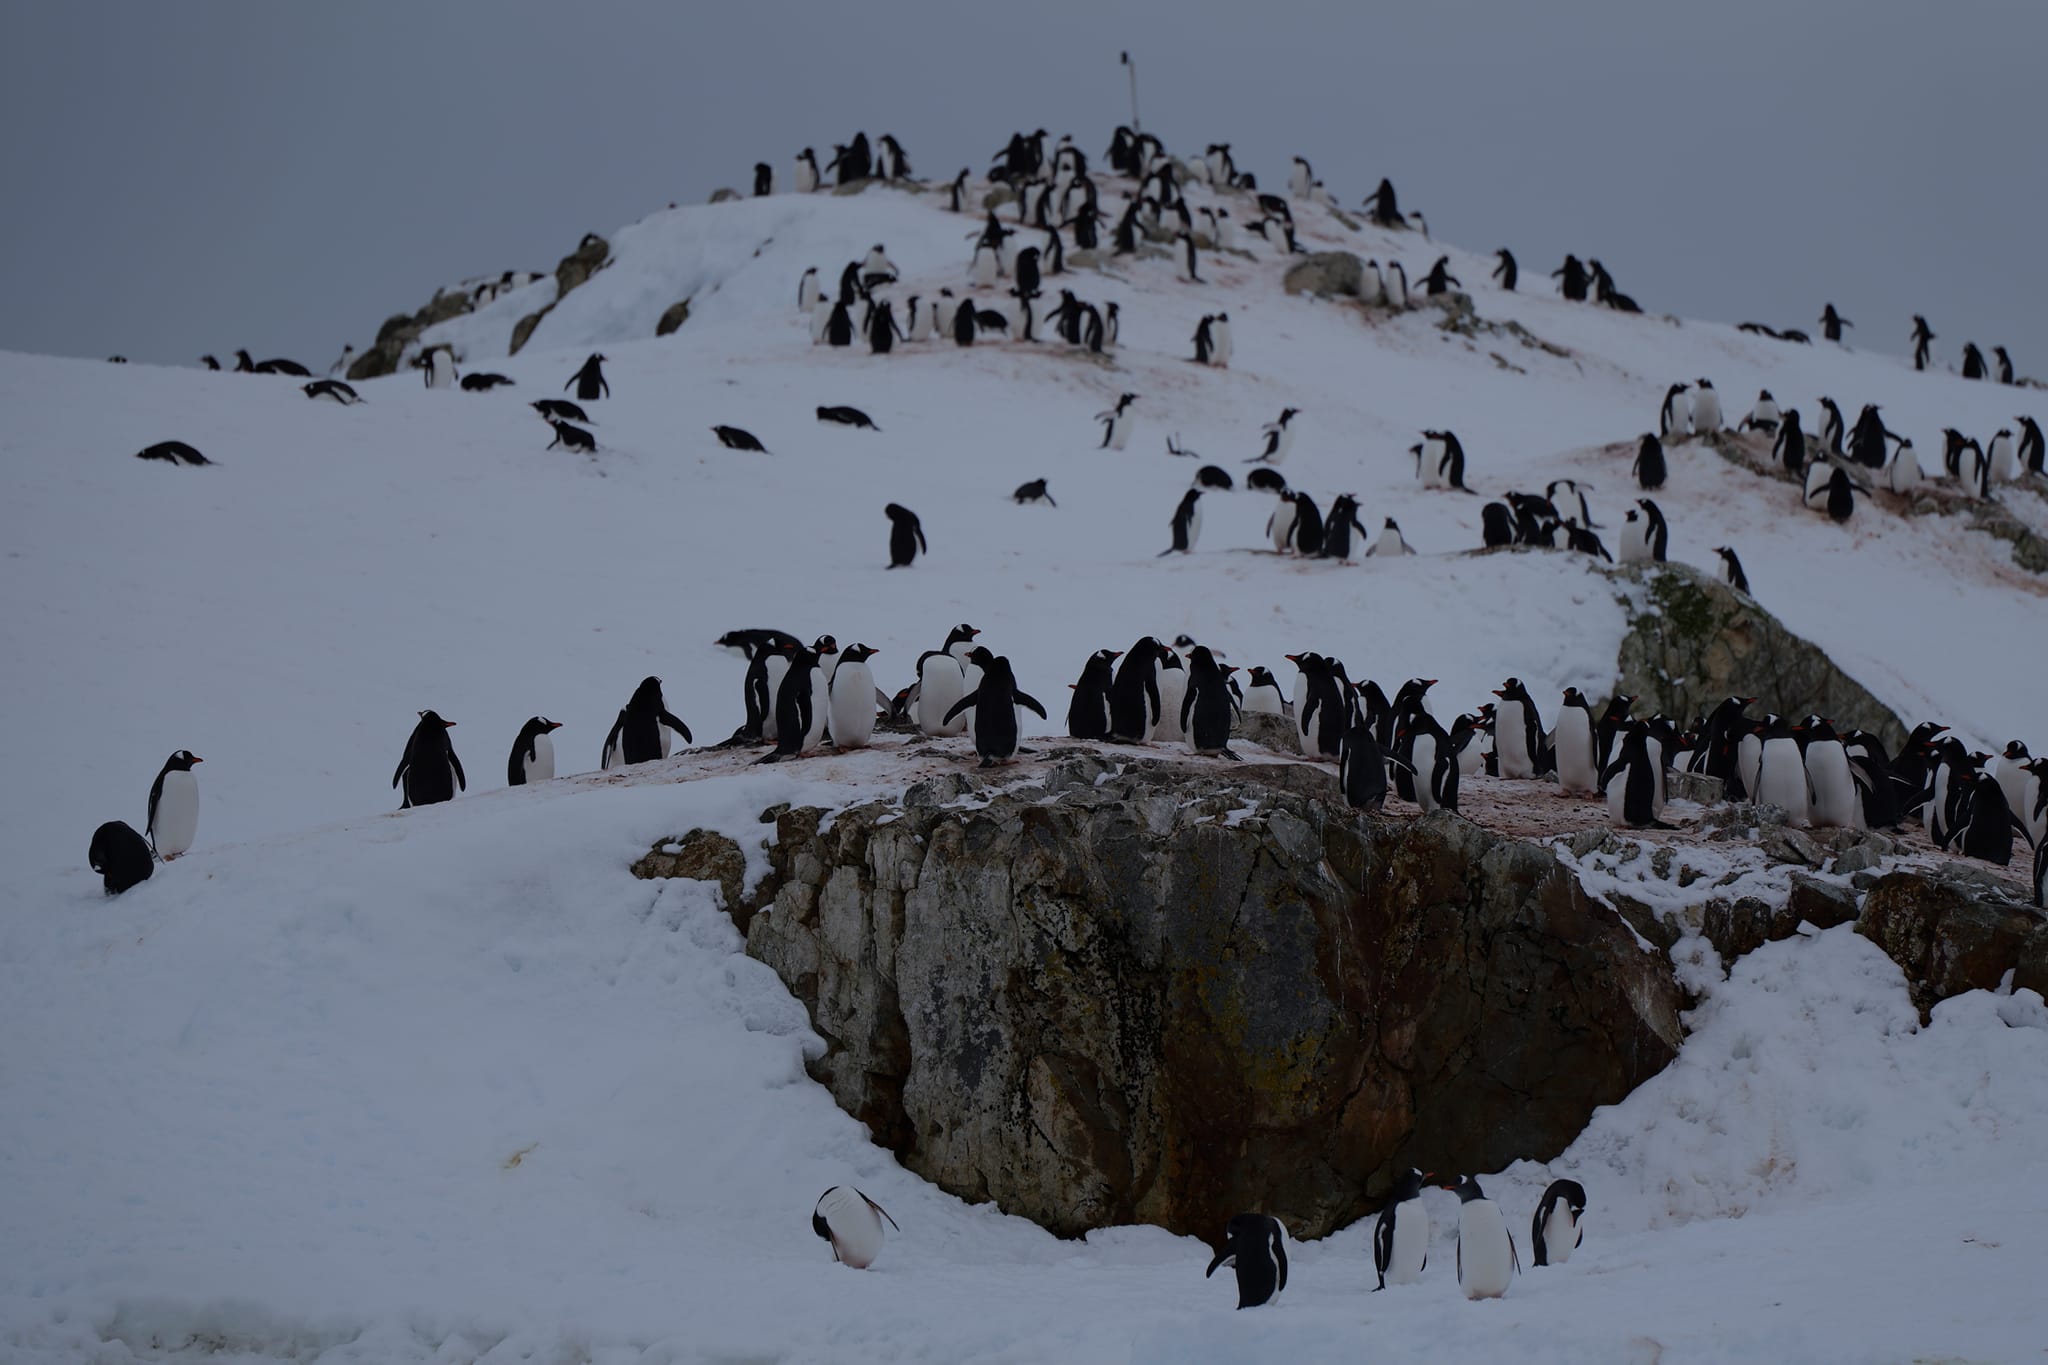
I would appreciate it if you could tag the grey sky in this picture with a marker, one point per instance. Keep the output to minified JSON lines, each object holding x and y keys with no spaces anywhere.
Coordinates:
{"x":196,"y":177}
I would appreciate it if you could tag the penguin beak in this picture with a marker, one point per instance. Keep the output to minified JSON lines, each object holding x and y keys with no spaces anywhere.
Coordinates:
{"x":449,"y":723}
{"x":1498,"y":693}
{"x":552,"y":725}
{"x":197,"y":759}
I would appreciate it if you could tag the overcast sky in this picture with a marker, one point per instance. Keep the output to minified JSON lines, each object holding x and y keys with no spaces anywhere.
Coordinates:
{"x":199,"y":176}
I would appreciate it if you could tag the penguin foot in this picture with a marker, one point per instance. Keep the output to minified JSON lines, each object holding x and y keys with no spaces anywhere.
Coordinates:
{"x":987,"y":763}
{"x":1229,"y":755}
{"x":773,"y":757}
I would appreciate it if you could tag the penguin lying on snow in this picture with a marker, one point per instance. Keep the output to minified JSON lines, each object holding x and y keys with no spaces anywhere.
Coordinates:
{"x":1033,"y":492}
{"x":172,"y":452}
{"x":845,"y":416}
{"x":572,"y":438}
{"x":120,"y":856}
{"x":333,"y":390}
{"x":482,"y":383}
{"x":1255,"y":1246}
{"x":851,"y":1223}
{"x":562,"y":410}
{"x":737,"y":438}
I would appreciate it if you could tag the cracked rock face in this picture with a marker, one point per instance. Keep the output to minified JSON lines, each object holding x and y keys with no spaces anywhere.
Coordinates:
{"x":1150,"y":992}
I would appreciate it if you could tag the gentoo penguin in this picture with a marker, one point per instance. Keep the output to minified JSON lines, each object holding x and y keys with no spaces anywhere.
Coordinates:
{"x":738,"y":438}
{"x":1834,"y":803}
{"x":533,"y":753}
{"x":1323,"y":714}
{"x":1219,"y":341}
{"x":906,"y":535}
{"x":1649,"y":463}
{"x":1789,"y":449}
{"x":1440,"y":279}
{"x":806,"y":178}
{"x":802,"y":707}
{"x":1394,"y":282}
{"x":1987,"y":822}
{"x":1585,"y":542}
{"x":1633,"y":780}
{"x":2041,"y":873}
{"x":1308,"y":526}
{"x":1385,"y":206}
{"x":590,"y":382}
{"x":333,"y":390}
{"x":1207,"y":708}
{"x":1116,"y":423}
{"x":172,"y":453}
{"x":853,"y":693}
{"x":1262,"y":696}
{"x":1033,"y":491}
{"x":1266,"y":481}
{"x":809,"y":298}
{"x":483,"y":382}
{"x":174,"y":805}
{"x":852,"y":1224}
{"x":1555,"y":1232}
{"x":2004,"y":370}
{"x":1339,"y":526}
{"x":1389,"y":544}
{"x":882,"y":329}
{"x":560,"y":410}
{"x":1440,"y":460}
{"x":571,"y":437}
{"x":1572,"y":279}
{"x":1781,"y":773}
{"x":1088,"y":710}
{"x":1973,"y":361}
{"x":1279,"y":438}
{"x":1830,"y":431}
{"x":438,"y":366}
{"x":1505,"y":270}
{"x":1134,"y":701}
{"x":1487,"y":1259}
{"x":1569,"y":495}
{"x":1362,"y":772}
{"x":1731,"y":569}
{"x":890,"y":162}
{"x":1173,"y":690}
{"x":1656,"y":534}
{"x":1496,"y":525}
{"x":1189,"y":256}
{"x":340,"y":366}
{"x":1832,"y":323}
{"x":1613,"y":721}
{"x":1763,"y":415}
{"x":1706,"y":408}
{"x":1432,"y":756}
{"x":429,"y":768}
{"x":1878,"y":787}
{"x":941,"y":681}
{"x":641,"y":732}
{"x":2001,"y":462}
{"x":1400,"y":1239}
{"x":120,"y":856}
{"x":1187,"y":523}
{"x":1869,"y":438}
{"x":1578,"y":757}
{"x":243,"y":365}
{"x":764,"y":180}
{"x":1829,"y":488}
{"x":994,"y":702}
{"x":1256,"y":1246}
{"x":2031,"y":448}
{"x":1517,"y":730}
{"x":1299,"y":178}
{"x":2014,"y":773}
{"x":847,"y":417}
{"x":1922,"y":334}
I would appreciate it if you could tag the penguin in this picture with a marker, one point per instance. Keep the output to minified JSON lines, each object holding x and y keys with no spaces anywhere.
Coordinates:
{"x":1969,"y":467}
{"x":2005,"y":375}
{"x":1789,"y":449}
{"x":333,"y":390}
{"x":1389,"y":544}
{"x":2014,"y":773}
{"x":1266,"y":481}
{"x":1585,"y":542}
{"x":1636,"y":799}
{"x":1497,"y":525}
{"x":572,"y":438}
{"x":533,"y":753}
{"x":738,"y":438}
{"x":1116,"y":423}
{"x":1190,"y":258}
{"x":1025,"y":271}
{"x":1300,"y":178}
{"x":2001,"y":464}
{"x":809,"y":298}
{"x":1922,"y":335}
{"x":1255,"y":1245}
{"x":1395,"y":284}
{"x":1835,"y":803}
{"x":1440,"y":279}
{"x":291,"y":367}
{"x":851,"y":1223}
{"x":764,"y":180}
{"x":1135,"y":705}
{"x":1987,"y":824}
{"x":1576,"y":508}
{"x":1505,"y":270}
{"x":806,"y":178}
{"x":1173,"y":689}
{"x":918,"y":320}
{"x":1973,"y":361}
{"x":1832,"y":323}
{"x":2031,"y":447}
{"x":1649,"y":463}
{"x":437,"y":367}
{"x":1878,"y":787}
{"x":1571,"y":279}
{"x":1088,"y":710}
{"x":590,"y":382}
{"x":1279,"y":438}
{"x":1219,"y":341}
{"x":882,"y":330}
{"x":942,"y":680}
{"x":1432,"y":757}
{"x":1829,"y":486}
{"x":890,"y":162}
{"x":803,"y":704}
{"x":429,"y":768}
{"x":641,"y":732}
{"x":1578,"y":756}
{"x":906,"y":536}
{"x":1613,"y":721}
{"x":1518,"y":730}
{"x":1372,"y":285}
{"x":1781,"y":773}
{"x":560,"y":410}
{"x":1706,"y":408}
{"x":1187,"y":523}
{"x":849,"y":417}
{"x":1554,"y":1231}
{"x":1943,"y":789}
{"x":174,"y":806}
{"x":851,"y":696}
{"x":120,"y":856}
{"x":1033,"y":492}
{"x":1656,"y":534}
{"x":1206,"y":707}
{"x":1763,"y":415}
{"x":1829,"y":433}
{"x":1731,"y":569}
{"x":172,"y":453}
{"x":483,"y":382}
{"x":1487,"y":1259}
{"x":211,"y":363}
{"x":1339,"y":526}
{"x":1385,"y":206}
{"x":1308,"y":526}
{"x":1362,"y":773}
{"x":1400,"y":1239}
{"x":1440,"y":460}
{"x":2041,"y":873}
{"x":339,"y":367}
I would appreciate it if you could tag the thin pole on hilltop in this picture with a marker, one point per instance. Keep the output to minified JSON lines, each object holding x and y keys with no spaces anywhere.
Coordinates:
{"x":1125,"y":58}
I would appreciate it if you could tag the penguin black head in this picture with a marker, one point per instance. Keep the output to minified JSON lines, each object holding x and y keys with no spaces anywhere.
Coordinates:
{"x":1407,"y":1185}
{"x":857,"y":654}
{"x":432,"y":718}
{"x":648,"y":691}
{"x":825,"y":644}
{"x":182,"y":761}
{"x":982,"y":657}
{"x":2015,"y":751}
{"x":1466,"y":1187}
{"x":960,"y":635}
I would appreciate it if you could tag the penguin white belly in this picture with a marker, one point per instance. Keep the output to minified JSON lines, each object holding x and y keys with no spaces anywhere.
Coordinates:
{"x":778,"y":665}
{"x":1425,"y":767}
{"x":1280,"y":526}
{"x":821,"y":318}
{"x":1617,"y":798}
{"x":1706,"y":411}
{"x":541,"y":766}
{"x":1173,"y":687}
{"x":177,"y":813}
{"x":983,"y":272}
{"x":1222,"y":358}
{"x":440,"y":371}
{"x":1575,"y":752}
{"x":1486,"y":1258}
{"x":1471,"y":758}
{"x":1411,"y":1243}
{"x":970,"y":679}
{"x":1262,"y":701}
{"x":1655,"y":749}
{"x":856,"y":1227}
{"x":1511,"y":741}
{"x":1119,"y":430}
{"x":939,"y":686}
{"x":853,"y":705}
{"x":1781,"y":779}
{"x":1560,"y":1234}
{"x":1749,"y":753}
{"x":1681,"y":415}
{"x":1903,"y":472}
{"x":2005,"y":464}
{"x":821,"y":709}
{"x":1834,"y":791}
{"x":2012,"y":780}
{"x":2037,"y":825}
{"x":1970,"y":471}
{"x":1433,"y":463}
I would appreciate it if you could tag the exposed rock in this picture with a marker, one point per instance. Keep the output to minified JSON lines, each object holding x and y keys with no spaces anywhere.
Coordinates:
{"x":590,"y":256}
{"x":522,"y":330}
{"x":401,"y":330}
{"x":1693,"y":640}
{"x":1948,"y":938}
{"x":2029,"y":550}
{"x":703,"y":855}
{"x":721,"y":196}
{"x":1328,"y":273}
{"x":1275,"y":732}
{"x":676,"y":316}
{"x":1107,"y":1001}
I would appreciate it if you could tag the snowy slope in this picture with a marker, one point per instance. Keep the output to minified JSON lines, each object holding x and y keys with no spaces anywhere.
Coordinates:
{"x":266,"y":1102}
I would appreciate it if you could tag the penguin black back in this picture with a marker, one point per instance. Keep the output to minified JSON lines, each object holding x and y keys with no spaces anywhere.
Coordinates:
{"x":995,"y":701}
{"x":845,"y":416}
{"x":1207,"y":708}
{"x":429,"y":768}
{"x":1362,"y":768}
{"x":1649,"y":464}
{"x":1255,"y":1245}
{"x":906,"y":536}
{"x":1570,"y":1193}
{"x":523,"y":748}
{"x":1134,"y":695}
{"x":120,"y":856}
{"x":637,"y":731}
{"x":590,"y":381}
{"x":738,"y":438}
{"x":173,"y":453}
{"x":1088,"y":711}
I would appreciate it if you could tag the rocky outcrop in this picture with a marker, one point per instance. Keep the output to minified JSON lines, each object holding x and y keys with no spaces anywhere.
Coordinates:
{"x":1326,"y":273}
{"x":676,"y":315}
{"x":401,"y":330}
{"x":1950,"y":937}
{"x":1693,"y":641}
{"x":591,"y":255}
{"x":1138,"y":993}
{"x":724,"y":195}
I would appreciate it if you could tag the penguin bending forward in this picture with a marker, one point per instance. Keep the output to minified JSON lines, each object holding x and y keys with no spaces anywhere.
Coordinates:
{"x":1255,"y":1245}
{"x":1555,"y":1230}
{"x":120,"y":856}
{"x":851,"y":1223}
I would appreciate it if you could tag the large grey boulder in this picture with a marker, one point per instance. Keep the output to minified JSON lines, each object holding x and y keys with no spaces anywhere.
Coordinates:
{"x":1327,"y":273}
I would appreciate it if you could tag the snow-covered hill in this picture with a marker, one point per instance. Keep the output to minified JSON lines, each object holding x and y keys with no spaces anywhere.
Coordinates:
{"x":268,"y":1103}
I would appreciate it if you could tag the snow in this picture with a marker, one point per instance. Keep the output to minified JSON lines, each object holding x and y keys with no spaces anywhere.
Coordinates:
{"x":267,"y":1106}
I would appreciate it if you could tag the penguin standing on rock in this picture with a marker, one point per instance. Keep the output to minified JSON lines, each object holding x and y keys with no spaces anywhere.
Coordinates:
{"x":995,"y":701}
{"x":1088,"y":711}
{"x":1362,"y":772}
{"x":802,"y":706}
{"x":1706,"y":408}
{"x":1578,"y":756}
{"x":1134,"y":700}
{"x":852,"y":1224}
{"x":590,"y":382}
{"x":1731,"y":569}
{"x":1207,"y":707}
{"x":1486,"y":1249}
{"x":429,"y":768}
{"x":1674,"y":419}
{"x":174,"y":806}
{"x":120,"y":856}
{"x":1440,"y":279}
{"x":533,"y":753}
{"x":1400,"y":1239}
{"x":641,"y":732}
{"x":1554,"y":1232}
{"x":906,"y":536}
{"x":1518,"y":730}
{"x":1634,"y":781}
{"x":853,"y":697}
{"x":1255,"y":1245}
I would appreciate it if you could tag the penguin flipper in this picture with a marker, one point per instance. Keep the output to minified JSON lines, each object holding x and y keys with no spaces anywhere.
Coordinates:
{"x":1221,"y":1256}
{"x":676,"y":725}
{"x":878,"y":1209}
{"x":971,"y":699}
{"x":1026,"y":700}
{"x":461,"y":782}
